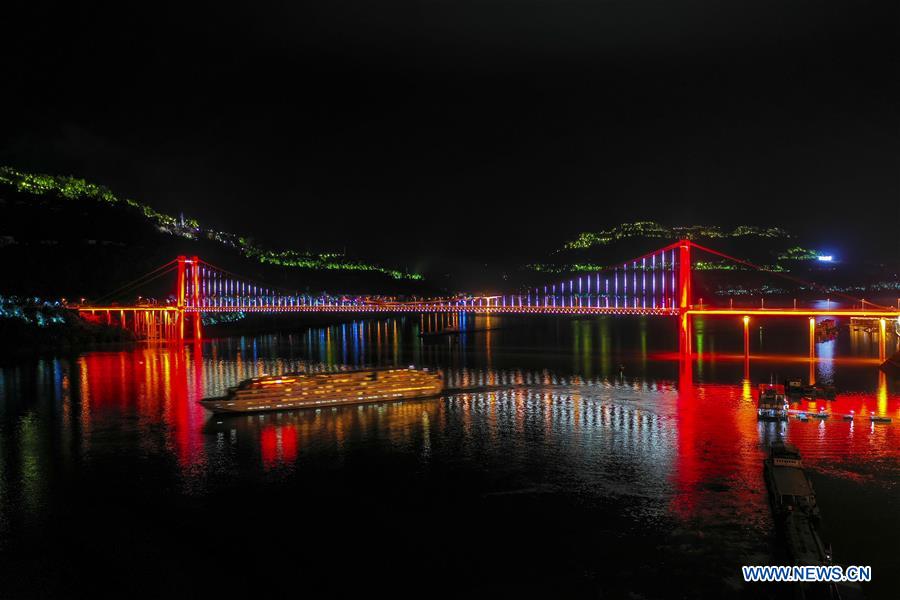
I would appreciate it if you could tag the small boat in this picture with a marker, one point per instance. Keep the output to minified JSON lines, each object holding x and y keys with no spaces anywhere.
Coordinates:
{"x":826,"y":330}
{"x":820,"y":415}
{"x":772,"y":404}
{"x":826,"y":325}
{"x":797,"y":388}
{"x":794,"y":387}
{"x":826,"y":391}
{"x":447,"y":331}
{"x":802,"y":417}
{"x":880,"y":419}
{"x":848,"y":417}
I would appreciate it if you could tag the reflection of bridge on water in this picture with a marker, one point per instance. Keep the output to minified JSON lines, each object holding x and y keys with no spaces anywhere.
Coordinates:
{"x":642,"y":437}
{"x":649,"y":449}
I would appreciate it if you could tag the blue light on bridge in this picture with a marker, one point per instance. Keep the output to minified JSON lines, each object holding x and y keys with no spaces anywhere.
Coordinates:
{"x":825,"y":258}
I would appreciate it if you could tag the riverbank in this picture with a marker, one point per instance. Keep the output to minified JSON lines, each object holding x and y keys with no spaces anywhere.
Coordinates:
{"x":32,"y":326}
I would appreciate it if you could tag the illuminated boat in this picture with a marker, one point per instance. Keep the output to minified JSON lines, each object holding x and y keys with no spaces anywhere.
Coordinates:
{"x":772,"y":404}
{"x":826,"y":330}
{"x":797,"y":388}
{"x":828,"y":392}
{"x":880,"y":419}
{"x":319,"y":390}
{"x":794,"y":387}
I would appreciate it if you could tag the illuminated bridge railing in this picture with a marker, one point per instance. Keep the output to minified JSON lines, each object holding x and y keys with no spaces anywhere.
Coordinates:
{"x":656,"y":284}
{"x":411,"y":307}
{"x":648,"y":282}
{"x":651,"y":284}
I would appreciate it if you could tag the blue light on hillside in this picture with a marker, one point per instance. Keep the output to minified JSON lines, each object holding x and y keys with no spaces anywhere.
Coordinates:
{"x":825,"y":258}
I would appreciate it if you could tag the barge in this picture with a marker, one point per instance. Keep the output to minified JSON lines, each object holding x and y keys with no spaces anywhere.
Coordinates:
{"x":797,"y":516}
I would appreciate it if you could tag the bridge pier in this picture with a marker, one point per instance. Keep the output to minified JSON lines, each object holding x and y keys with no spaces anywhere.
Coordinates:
{"x":685,"y":333}
{"x":812,"y":351}
{"x":685,"y":329}
{"x":198,"y":326}
{"x":187,"y":290}
{"x":812,"y":338}
{"x":746,"y":320}
{"x":195,"y":296}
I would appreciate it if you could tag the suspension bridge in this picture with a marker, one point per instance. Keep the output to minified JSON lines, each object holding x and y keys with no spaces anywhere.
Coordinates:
{"x":658,"y":283}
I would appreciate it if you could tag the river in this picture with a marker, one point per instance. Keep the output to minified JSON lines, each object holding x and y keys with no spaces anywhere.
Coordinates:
{"x":598,"y":464}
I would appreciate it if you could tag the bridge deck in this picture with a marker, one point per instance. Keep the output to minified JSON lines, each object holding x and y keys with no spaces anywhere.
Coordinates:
{"x":534,"y":310}
{"x":799,"y":312}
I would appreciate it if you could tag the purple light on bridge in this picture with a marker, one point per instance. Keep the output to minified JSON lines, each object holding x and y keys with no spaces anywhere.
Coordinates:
{"x":663,"y":277}
{"x":634,"y":279}
{"x":674,"y":290}
{"x":644,"y":279}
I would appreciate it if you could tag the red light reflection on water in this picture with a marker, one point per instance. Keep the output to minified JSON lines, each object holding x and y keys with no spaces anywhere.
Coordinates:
{"x":289,"y":443}
{"x":721,"y":443}
{"x":268,"y":444}
{"x":719,"y":447}
{"x":688,"y":469}
{"x":278,"y":444}
{"x":775,"y":358}
{"x":159,"y":384}
{"x":717,"y":465}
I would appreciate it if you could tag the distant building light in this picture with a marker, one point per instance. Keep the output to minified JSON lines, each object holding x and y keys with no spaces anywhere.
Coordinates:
{"x":825,"y":258}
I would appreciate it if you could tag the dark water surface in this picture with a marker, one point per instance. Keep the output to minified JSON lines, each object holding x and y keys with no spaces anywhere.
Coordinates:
{"x":572,"y":478}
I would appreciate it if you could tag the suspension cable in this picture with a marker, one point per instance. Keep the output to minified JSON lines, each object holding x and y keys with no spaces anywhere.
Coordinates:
{"x":811,"y":284}
{"x":248,"y":280}
{"x":142,"y":280}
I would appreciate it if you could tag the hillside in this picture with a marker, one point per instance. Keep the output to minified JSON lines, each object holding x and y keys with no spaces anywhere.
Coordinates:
{"x":62,"y":236}
{"x":780,"y":254}
{"x":65,"y":237}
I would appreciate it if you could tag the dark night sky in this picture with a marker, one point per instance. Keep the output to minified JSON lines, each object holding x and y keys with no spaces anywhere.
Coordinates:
{"x":469,"y":128}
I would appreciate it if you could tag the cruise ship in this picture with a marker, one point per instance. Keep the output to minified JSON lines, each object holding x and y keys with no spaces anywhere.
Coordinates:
{"x":293,"y":391}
